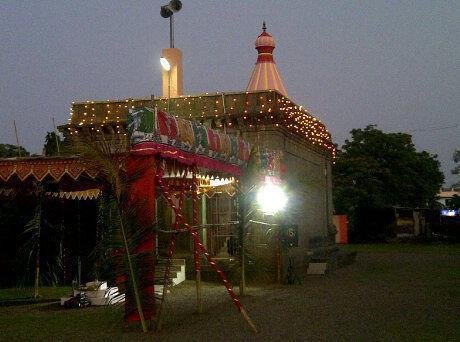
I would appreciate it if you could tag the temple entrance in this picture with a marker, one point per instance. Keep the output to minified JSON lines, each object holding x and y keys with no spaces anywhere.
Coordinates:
{"x":218,"y":225}
{"x":222,"y":227}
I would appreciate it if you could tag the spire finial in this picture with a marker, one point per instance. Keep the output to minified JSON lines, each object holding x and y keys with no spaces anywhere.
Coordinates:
{"x":265,"y":75}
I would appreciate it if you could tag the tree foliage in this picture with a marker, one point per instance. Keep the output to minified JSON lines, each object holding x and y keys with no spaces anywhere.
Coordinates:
{"x":54,"y":145}
{"x":10,"y":151}
{"x":378,"y":170}
{"x":456,"y":169}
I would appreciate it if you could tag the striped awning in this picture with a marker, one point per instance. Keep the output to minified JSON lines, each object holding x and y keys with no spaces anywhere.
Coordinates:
{"x":38,"y":168}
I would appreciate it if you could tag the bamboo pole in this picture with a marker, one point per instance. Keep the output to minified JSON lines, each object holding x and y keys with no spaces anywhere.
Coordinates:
{"x":278,"y":256}
{"x":56,"y":138}
{"x":171,"y":250}
{"x":131,"y":271}
{"x":37,"y":272}
{"x":37,"y":257}
{"x":17,"y":138}
{"x":166,"y":276}
{"x":242,"y":214}
{"x":37,"y":262}
{"x":199,"y":300}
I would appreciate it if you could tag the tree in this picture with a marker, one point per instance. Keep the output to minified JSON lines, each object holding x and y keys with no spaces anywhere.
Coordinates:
{"x":377,"y":170}
{"x":456,"y":169}
{"x":53,"y":144}
{"x":10,"y":151}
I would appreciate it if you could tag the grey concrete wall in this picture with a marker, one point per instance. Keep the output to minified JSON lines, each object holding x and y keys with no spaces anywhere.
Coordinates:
{"x":309,"y":182}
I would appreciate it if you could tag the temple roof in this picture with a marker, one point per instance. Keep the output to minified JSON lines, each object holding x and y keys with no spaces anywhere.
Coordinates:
{"x":230,"y":110}
{"x":265,"y":75}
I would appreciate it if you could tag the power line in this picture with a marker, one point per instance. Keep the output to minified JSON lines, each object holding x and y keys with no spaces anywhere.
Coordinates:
{"x":432,"y":128}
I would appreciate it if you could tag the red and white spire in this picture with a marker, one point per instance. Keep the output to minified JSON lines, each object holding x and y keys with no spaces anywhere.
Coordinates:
{"x":265,"y":75}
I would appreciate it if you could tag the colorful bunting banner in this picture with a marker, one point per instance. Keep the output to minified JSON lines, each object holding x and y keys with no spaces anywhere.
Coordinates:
{"x":146,"y":124}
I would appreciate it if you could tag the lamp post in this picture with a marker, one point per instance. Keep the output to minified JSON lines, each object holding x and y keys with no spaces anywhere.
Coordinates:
{"x":171,"y":57}
{"x":167,"y":11}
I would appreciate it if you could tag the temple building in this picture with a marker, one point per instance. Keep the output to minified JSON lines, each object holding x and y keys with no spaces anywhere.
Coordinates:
{"x":285,"y":139}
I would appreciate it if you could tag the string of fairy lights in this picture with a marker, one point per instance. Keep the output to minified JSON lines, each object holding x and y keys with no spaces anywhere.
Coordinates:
{"x":229,"y":110}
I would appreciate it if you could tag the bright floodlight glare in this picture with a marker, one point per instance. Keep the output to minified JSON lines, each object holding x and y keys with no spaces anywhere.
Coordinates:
{"x":165,"y":64}
{"x":271,"y":199}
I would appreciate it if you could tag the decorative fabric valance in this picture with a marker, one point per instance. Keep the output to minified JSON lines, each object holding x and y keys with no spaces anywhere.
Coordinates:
{"x":185,"y":158}
{"x":89,"y":194}
{"x":40,"y":167}
{"x":185,"y":140}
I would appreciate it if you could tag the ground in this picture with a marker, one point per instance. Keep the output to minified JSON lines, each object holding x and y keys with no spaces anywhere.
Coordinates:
{"x":391,"y":292}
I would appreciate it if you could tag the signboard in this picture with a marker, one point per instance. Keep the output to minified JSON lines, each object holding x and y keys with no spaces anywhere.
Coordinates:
{"x":290,"y":235}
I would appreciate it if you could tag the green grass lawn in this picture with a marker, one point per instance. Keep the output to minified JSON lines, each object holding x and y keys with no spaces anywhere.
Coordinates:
{"x":433,"y":248}
{"x":45,"y":293}
{"x":424,"y":277}
{"x":51,"y":322}
{"x":429,"y":272}
{"x":47,"y":320}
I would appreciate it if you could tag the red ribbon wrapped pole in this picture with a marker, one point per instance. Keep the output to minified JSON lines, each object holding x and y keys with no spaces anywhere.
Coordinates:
{"x":223,"y":278}
{"x":196,"y":247}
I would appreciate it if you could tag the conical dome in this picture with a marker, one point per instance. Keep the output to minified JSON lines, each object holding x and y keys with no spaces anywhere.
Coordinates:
{"x":265,"y":75}
{"x":265,"y":40}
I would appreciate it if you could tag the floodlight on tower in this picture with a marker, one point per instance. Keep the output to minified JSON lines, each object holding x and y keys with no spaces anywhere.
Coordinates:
{"x":165,"y":64}
{"x":172,"y":75}
{"x":271,"y":198}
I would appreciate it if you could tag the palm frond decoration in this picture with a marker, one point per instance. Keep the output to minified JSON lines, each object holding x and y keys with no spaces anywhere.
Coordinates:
{"x":33,"y":228}
{"x":31,"y":247}
{"x":120,"y":229}
{"x":46,"y":262}
{"x":104,"y":236}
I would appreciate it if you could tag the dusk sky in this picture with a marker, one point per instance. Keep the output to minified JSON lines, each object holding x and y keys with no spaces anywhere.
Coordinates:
{"x":352,"y":63}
